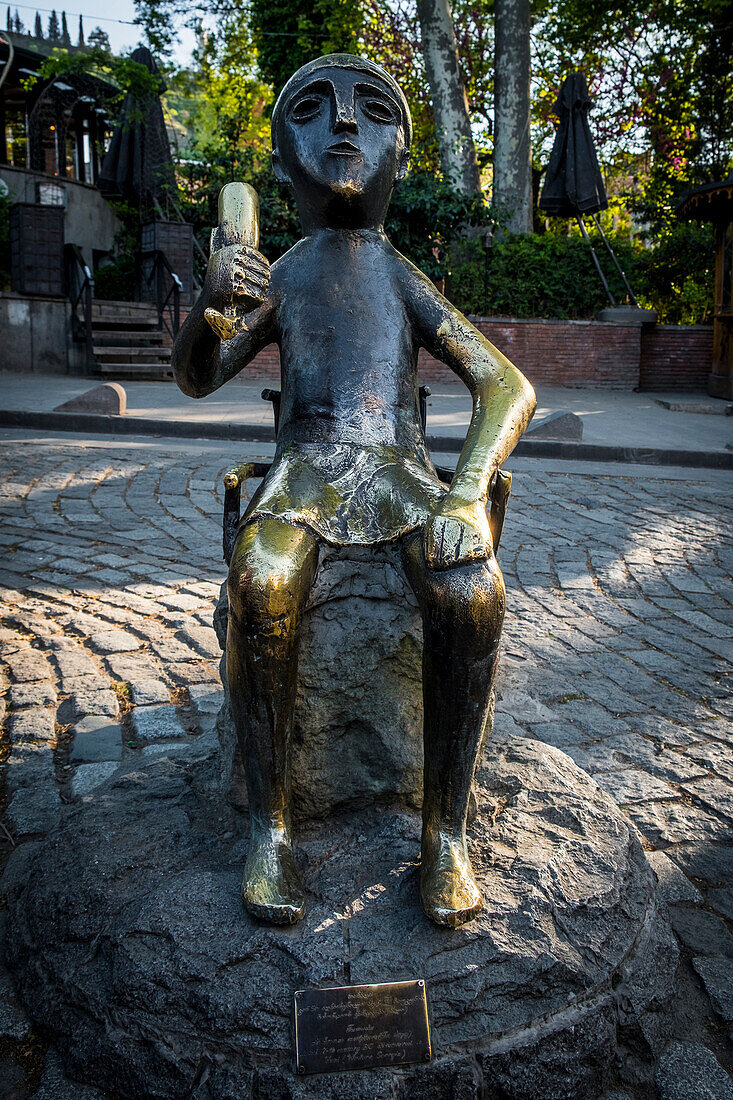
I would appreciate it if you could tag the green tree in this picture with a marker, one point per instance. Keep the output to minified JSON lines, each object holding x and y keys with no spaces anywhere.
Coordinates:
{"x":287,"y":34}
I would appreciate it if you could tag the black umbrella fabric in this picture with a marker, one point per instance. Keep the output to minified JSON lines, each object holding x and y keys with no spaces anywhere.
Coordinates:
{"x":573,"y":183}
{"x":138,"y":165}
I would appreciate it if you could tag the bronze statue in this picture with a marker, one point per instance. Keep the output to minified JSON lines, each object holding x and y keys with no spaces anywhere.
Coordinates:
{"x":349,"y":314}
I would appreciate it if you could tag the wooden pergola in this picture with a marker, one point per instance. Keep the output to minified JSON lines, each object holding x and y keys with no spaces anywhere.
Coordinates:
{"x":714,"y":203}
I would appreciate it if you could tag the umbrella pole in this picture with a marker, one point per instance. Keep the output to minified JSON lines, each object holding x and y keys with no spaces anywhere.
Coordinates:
{"x":614,"y":257}
{"x":599,"y":269}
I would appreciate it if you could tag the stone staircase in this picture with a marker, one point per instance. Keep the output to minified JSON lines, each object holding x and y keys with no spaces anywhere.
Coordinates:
{"x":128,"y":343}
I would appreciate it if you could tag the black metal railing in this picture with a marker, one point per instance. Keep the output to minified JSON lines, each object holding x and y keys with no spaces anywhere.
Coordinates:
{"x":80,"y":291}
{"x":159,"y":278}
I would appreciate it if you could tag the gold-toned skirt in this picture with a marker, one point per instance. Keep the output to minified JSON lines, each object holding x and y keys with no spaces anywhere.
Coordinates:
{"x":346,"y":493}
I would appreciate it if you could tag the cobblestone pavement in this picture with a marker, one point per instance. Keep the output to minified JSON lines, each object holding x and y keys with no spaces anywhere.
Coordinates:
{"x":617,"y":642}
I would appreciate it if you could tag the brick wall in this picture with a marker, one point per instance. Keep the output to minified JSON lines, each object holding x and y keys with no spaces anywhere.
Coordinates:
{"x":560,"y":353}
{"x":580,"y":354}
{"x":676,"y":357}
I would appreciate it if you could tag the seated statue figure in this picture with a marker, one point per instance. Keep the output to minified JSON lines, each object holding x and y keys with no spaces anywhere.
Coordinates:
{"x":351,"y":465}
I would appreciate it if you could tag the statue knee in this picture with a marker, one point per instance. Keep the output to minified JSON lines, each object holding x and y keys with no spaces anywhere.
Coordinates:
{"x":266,"y":583}
{"x":471,"y":601}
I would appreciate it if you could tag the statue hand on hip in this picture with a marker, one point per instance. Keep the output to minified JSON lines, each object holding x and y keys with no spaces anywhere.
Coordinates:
{"x":457,"y":533}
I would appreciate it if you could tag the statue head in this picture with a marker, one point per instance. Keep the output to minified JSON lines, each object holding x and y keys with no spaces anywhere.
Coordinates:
{"x":341,"y":135}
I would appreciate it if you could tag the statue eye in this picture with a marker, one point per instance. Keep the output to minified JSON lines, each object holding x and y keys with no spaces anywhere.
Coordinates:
{"x":378,"y":110}
{"x":305,"y":108}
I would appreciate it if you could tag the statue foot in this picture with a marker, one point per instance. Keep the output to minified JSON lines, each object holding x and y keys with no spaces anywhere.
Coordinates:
{"x":448,"y":889}
{"x":271,"y":887}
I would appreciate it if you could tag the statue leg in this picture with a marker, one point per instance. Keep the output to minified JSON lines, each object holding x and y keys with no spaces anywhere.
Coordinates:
{"x":462,"y":611}
{"x":270,"y":577}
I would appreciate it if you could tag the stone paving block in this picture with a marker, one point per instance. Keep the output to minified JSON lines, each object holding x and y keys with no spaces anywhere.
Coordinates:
{"x":717,"y":976}
{"x":203,"y":639}
{"x":41,"y":693}
{"x":88,"y":777}
{"x":29,"y":763}
{"x":98,"y":682}
{"x":718,"y":758}
{"x":156,"y":723}
{"x":664,"y":763}
{"x":505,"y":724}
{"x":166,"y":747}
{"x":676,"y":822}
{"x":172,"y":650}
{"x":674,"y":886}
{"x":560,"y":734}
{"x":180,"y":601}
{"x":523,"y":707}
{"x":664,"y":731}
{"x":28,"y":665}
{"x":186,"y":673}
{"x":596,"y":721}
{"x":133,"y":667}
{"x":145,"y":692}
{"x":701,"y":932}
{"x":721,"y":900}
{"x":689,"y":1071}
{"x":74,"y":662}
{"x":35,"y":724}
{"x":207,"y":698}
{"x":95,"y":740}
{"x":633,"y":785}
{"x":714,"y":793}
{"x":595,"y":758}
{"x":114,"y":641}
{"x":33,"y":810}
{"x":82,"y":703}
{"x":703,"y":860}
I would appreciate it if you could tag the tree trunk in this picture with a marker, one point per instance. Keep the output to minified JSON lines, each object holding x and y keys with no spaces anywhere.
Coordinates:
{"x":450,"y":106}
{"x":512,"y":149}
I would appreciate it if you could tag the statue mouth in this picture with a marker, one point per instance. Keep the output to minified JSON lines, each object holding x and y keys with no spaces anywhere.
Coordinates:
{"x":344,"y":149}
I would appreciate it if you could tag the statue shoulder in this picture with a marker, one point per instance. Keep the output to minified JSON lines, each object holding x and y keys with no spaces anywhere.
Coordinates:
{"x":287,"y":264}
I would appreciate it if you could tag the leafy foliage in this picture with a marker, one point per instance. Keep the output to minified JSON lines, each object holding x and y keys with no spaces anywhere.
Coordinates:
{"x":287,"y":35}
{"x":549,"y":275}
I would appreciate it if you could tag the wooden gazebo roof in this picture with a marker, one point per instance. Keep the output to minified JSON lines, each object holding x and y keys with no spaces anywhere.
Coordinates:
{"x":712,"y":202}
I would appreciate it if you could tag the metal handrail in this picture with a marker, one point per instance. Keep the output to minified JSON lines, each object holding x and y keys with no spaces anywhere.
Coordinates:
{"x":154,"y":278}
{"x":80,"y":291}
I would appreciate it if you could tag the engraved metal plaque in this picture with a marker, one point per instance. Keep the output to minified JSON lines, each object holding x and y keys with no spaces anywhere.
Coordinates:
{"x":360,"y":1026}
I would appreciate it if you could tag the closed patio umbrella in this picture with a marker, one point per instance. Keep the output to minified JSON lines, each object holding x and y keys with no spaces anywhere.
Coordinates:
{"x":138,"y":165}
{"x":573,"y":182}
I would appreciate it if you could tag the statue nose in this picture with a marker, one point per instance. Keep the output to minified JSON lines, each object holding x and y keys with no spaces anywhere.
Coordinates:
{"x":345,"y":122}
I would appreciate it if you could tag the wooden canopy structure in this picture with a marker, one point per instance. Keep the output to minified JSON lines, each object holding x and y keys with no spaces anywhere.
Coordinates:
{"x":714,"y":203}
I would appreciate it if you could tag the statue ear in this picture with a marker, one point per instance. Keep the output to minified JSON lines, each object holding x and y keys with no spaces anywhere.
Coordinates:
{"x":403,"y":165}
{"x":277,"y":166}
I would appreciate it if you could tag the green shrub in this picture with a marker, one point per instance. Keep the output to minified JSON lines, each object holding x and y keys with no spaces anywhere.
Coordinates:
{"x":548,"y":275}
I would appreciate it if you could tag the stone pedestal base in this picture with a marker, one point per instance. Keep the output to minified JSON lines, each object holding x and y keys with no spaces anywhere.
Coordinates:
{"x":130,"y":945}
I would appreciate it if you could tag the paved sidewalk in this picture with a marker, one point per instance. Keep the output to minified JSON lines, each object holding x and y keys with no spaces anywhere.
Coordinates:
{"x":610,"y":418}
{"x":617,"y":646}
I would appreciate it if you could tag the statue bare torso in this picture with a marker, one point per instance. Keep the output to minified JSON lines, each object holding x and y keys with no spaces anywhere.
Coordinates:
{"x":349,"y":368}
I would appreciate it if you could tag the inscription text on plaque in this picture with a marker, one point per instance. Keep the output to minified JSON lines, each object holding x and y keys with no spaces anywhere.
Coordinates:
{"x":360,"y":1026}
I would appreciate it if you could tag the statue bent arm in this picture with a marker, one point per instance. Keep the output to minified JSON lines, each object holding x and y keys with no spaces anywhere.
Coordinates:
{"x":201,"y":361}
{"x":503,"y":405}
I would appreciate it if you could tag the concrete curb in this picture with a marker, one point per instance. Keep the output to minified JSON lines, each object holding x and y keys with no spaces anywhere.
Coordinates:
{"x":98,"y":424}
